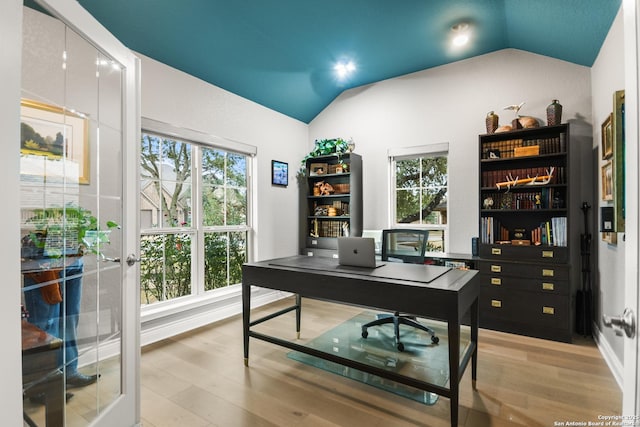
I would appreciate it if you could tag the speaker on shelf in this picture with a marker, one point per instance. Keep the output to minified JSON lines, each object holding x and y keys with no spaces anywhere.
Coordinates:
{"x":474,"y":246}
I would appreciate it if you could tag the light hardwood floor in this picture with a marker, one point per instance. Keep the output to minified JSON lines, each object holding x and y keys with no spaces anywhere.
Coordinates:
{"x":199,"y":379}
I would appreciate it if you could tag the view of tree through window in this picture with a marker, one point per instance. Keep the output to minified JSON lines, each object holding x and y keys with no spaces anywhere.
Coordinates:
{"x":421,"y":195}
{"x":174,"y":264}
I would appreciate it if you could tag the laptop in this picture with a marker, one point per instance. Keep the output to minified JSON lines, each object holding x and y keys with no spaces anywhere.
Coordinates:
{"x":357,"y":252}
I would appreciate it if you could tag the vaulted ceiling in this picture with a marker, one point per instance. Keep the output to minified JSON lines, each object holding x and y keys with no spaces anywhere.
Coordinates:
{"x":282,"y":53}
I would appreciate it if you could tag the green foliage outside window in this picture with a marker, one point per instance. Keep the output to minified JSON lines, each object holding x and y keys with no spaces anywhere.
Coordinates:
{"x":421,"y":192}
{"x":165,"y":269}
{"x":220,"y":248}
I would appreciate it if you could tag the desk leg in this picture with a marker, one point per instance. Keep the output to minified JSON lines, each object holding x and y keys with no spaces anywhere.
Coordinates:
{"x":454,"y":368}
{"x":474,"y":311}
{"x":246,"y":310}
{"x":298,"y":314}
{"x":54,"y":401}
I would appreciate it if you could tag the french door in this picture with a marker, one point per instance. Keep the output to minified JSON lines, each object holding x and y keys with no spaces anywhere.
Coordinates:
{"x":79,"y":121}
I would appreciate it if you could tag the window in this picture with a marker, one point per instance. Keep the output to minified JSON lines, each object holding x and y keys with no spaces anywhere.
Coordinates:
{"x":419,"y":191}
{"x":194,"y":216}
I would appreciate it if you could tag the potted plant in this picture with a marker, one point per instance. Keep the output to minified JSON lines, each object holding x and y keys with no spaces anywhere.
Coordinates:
{"x":59,"y":232}
{"x":79,"y":233}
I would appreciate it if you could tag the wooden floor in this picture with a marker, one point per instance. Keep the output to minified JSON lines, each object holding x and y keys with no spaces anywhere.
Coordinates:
{"x":199,"y":379}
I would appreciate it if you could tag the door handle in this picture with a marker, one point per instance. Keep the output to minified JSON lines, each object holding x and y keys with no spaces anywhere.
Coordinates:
{"x":625,"y":323}
{"x":105,"y":258}
{"x":132,"y":259}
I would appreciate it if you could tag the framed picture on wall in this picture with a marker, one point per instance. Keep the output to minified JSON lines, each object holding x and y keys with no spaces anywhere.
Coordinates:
{"x":607,"y":138}
{"x":610,"y":238}
{"x":54,"y":142}
{"x":279,"y":173}
{"x":607,"y":181}
{"x":617,"y":120}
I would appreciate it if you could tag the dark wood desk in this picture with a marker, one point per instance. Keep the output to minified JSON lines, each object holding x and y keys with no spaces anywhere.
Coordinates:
{"x":393,"y":287}
{"x":40,"y":373}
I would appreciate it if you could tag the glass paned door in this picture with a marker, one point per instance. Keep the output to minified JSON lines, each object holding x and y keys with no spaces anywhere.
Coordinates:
{"x":73,"y":222}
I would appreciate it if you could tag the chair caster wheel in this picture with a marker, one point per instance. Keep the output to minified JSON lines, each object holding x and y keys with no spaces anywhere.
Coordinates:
{"x":435,"y":339}
{"x":365,"y":334}
{"x":400,"y":346}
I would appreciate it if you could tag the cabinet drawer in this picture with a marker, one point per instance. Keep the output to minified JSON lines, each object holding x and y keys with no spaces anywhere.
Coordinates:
{"x":525,"y":307}
{"x":553,"y":254}
{"x":549,"y":285}
{"x":525,"y":270}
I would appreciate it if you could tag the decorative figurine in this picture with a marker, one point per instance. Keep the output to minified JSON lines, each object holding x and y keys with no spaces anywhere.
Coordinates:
{"x":488,"y":202}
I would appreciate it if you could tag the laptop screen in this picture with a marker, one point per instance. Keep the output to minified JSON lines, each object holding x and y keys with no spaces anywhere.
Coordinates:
{"x":357,"y":252}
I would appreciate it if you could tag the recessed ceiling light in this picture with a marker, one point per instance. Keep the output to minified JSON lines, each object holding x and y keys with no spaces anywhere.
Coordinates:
{"x":461,"y":34}
{"x":344,"y":69}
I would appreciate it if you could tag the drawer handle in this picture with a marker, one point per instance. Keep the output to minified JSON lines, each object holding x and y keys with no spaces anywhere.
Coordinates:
{"x":547,"y":254}
{"x":496,"y":281}
{"x":547,"y":286}
{"x":314,"y":242}
{"x":548,"y":310}
{"x":496,"y":269}
{"x":496,"y":303}
{"x":547,"y":272}
{"x":496,"y":251}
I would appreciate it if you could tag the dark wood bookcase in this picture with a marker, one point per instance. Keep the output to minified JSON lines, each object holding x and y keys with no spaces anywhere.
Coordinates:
{"x":529,"y":243}
{"x":325,"y":217}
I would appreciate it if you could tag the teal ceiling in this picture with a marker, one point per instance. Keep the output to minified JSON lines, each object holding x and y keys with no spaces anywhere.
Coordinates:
{"x":281,"y":53}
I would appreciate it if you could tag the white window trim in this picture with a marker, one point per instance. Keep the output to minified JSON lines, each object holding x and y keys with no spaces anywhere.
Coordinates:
{"x":201,"y":299}
{"x":189,"y":135}
{"x":405,"y":153}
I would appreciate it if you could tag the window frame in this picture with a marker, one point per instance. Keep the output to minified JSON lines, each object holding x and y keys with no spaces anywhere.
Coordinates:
{"x":410,"y":153}
{"x":197,"y":230}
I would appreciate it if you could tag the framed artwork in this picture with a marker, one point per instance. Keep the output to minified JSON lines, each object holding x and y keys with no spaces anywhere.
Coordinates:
{"x":316,"y":169}
{"x":607,"y":181}
{"x":50,"y":134}
{"x":607,"y":138}
{"x":279,"y":173}
{"x":617,"y":121}
{"x":610,"y":237}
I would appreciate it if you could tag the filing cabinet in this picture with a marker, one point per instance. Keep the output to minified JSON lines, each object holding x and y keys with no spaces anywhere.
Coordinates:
{"x":531,"y":299}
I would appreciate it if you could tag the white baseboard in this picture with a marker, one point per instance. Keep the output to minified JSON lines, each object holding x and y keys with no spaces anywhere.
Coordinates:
{"x":158,"y":328}
{"x":614,"y":363}
{"x":188,"y":321}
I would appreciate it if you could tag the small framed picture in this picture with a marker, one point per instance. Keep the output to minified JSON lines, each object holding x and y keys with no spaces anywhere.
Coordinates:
{"x":607,"y":138}
{"x":316,"y":169}
{"x":607,"y":181}
{"x":610,"y":238}
{"x":279,"y":173}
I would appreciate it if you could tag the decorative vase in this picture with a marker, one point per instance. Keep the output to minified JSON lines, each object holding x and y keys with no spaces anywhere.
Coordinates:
{"x":491,"y":122}
{"x":515,"y":124}
{"x":554,"y":113}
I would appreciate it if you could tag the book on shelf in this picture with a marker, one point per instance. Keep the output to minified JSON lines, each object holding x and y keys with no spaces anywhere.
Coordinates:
{"x":493,"y":231}
{"x":506,"y":149}
{"x":551,"y":233}
{"x":491,"y":178}
{"x":330,"y":228}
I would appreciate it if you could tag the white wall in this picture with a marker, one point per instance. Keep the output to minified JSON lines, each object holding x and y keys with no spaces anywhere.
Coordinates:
{"x":179,"y":99}
{"x":607,"y":76}
{"x":449,"y":104}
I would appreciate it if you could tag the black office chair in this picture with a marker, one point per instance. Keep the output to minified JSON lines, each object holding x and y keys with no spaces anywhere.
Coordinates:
{"x":402,"y":245}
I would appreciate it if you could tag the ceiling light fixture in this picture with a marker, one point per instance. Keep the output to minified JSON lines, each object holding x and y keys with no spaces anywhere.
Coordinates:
{"x":461,"y":34}
{"x":344,"y":69}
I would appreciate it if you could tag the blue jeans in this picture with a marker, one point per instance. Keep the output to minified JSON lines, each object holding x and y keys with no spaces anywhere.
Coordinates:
{"x":61,"y":319}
